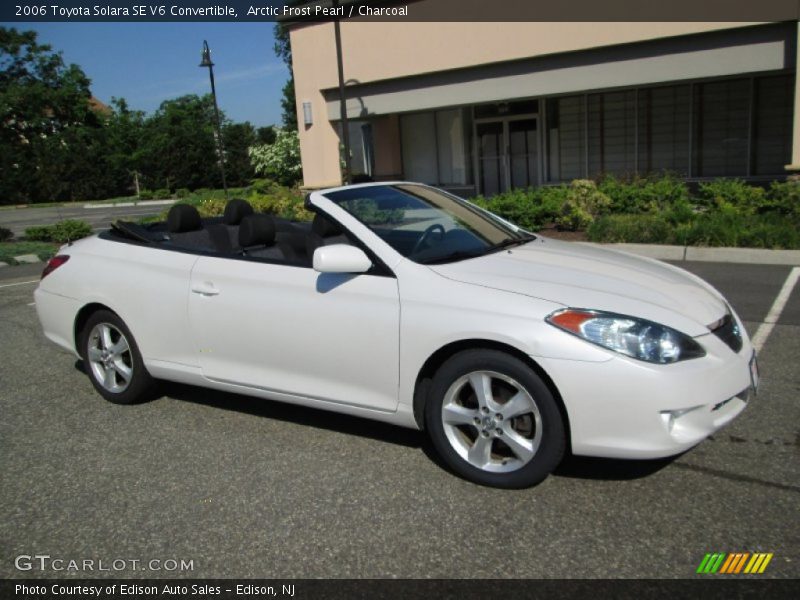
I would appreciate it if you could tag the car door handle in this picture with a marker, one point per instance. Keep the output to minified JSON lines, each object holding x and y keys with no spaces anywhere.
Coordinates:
{"x":205,"y":289}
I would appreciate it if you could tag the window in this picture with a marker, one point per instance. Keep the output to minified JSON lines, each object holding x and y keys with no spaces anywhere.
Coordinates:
{"x":435,"y":147}
{"x":664,"y":115}
{"x":612,"y":133}
{"x":361,"y":152}
{"x":451,"y":142}
{"x":566,"y":133}
{"x":725,"y":128}
{"x":721,"y":128}
{"x":772,"y":124}
{"x":425,"y":224}
{"x":418,"y":133}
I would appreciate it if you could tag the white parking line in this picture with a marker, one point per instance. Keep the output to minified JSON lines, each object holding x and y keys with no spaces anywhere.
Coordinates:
{"x":760,"y":338}
{"x":18,"y":283}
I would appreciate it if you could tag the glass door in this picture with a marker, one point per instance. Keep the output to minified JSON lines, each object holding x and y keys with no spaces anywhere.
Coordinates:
{"x":523,"y":154}
{"x":508,"y":154}
{"x":491,"y":157}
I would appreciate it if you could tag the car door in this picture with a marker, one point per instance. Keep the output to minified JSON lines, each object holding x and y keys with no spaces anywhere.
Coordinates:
{"x":291,"y":330}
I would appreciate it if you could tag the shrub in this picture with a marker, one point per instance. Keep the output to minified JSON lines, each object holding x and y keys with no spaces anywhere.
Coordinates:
{"x":641,"y":229}
{"x":708,"y":229}
{"x":283,"y":202}
{"x":583,"y":203}
{"x":146,"y":195}
{"x":644,"y":194}
{"x":784,"y":199}
{"x":70,"y":230}
{"x":211,"y":207}
{"x":162,"y":193}
{"x":39,"y":233}
{"x":280,"y":160}
{"x":61,"y":232}
{"x":182,"y":193}
{"x":733,"y":195}
{"x":5,"y":234}
{"x":742,"y":230}
{"x":529,"y":208}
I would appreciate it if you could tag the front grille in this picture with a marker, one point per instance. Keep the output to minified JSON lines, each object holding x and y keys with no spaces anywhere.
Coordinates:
{"x":727,"y":330}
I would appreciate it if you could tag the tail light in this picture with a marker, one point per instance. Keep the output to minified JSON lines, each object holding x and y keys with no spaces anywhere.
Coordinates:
{"x":54,"y":263}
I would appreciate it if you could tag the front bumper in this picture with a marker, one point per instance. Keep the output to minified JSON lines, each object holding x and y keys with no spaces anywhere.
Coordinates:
{"x":625,"y":408}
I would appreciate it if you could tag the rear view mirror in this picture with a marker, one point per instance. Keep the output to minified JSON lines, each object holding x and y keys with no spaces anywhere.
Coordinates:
{"x":341,"y":258}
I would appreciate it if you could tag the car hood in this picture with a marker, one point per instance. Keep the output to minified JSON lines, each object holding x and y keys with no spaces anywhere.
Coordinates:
{"x":584,"y":276}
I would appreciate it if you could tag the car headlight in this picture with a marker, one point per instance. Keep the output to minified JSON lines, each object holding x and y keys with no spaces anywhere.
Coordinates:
{"x":631,"y":336}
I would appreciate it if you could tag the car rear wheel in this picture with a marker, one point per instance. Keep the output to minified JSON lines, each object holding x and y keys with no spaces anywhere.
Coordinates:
{"x":494,"y":421}
{"x":112,"y":360}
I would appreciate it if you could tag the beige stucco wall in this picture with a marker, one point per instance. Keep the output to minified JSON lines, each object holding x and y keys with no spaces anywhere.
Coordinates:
{"x":386,"y":50}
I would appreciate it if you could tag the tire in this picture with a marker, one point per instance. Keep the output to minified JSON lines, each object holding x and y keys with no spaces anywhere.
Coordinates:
{"x":511,"y":437}
{"x":115,"y":369}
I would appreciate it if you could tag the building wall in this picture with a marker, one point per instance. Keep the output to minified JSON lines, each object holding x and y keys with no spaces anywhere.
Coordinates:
{"x":377,"y":51}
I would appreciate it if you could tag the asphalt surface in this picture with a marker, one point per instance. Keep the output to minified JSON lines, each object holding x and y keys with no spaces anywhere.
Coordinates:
{"x":249,"y":488}
{"x":18,"y":219}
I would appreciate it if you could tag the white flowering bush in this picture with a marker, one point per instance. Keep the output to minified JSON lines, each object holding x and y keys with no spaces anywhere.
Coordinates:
{"x":280,"y":160}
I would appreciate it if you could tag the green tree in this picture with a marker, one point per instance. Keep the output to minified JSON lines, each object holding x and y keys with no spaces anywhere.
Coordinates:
{"x":238,"y":139}
{"x":44,"y":105}
{"x":265,"y":135}
{"x":126,"y":129}
{"x":283,"y":50}
{"x":178,"y":145}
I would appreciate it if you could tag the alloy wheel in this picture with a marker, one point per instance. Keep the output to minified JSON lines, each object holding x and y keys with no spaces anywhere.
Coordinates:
{"x":492,"y":421}
{"x":109,"y":356}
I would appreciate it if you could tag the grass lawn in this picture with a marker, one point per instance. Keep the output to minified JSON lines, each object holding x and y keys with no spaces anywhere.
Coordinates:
{"x":8,"y":250}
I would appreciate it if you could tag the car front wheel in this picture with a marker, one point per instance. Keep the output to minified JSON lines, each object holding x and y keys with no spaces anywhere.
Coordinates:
{"x":112,"y":360}
{"x":493,"y":420}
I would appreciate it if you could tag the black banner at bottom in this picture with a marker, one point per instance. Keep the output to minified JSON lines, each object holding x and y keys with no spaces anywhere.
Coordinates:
{"x":709,"y":588}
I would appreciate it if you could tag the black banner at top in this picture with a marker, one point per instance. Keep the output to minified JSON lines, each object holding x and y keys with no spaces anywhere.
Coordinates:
{"x":12,"y":11}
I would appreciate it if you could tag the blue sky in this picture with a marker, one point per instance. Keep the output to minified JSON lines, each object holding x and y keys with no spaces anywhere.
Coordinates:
{"x":149,"y":63}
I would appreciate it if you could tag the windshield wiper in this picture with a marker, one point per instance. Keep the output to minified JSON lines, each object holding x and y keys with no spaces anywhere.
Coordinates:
{"x":452,"y":256}
{"x":508,"y":242}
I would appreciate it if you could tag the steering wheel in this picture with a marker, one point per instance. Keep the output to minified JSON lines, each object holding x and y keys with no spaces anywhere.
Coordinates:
{"x":423,"y":239}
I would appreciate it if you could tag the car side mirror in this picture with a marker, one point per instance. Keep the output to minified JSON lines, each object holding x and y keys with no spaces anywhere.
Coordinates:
{"x":341,"y":258}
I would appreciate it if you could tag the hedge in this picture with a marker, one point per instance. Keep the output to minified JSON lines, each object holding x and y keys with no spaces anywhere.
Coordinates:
{"x":61,"y":232}
{"x":661,"y":210}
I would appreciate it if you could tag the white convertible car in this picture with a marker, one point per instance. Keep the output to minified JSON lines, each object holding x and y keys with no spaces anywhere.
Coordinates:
{"x":405,"y":304}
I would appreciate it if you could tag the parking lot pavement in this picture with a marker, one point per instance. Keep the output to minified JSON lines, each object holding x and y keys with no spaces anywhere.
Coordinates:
{"x":248,"y":488}
{"x":17,"y":220}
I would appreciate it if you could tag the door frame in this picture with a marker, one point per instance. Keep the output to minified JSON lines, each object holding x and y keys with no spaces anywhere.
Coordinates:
{"x":506,"y":149}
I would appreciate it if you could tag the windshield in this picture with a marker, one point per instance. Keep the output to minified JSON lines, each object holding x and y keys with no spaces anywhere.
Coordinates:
{"x":425,"y":224}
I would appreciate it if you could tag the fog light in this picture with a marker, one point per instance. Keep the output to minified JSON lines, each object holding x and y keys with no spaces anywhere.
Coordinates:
{"x":671,"y":416}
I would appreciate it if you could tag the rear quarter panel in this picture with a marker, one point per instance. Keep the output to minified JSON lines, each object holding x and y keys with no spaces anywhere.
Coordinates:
{"x":147,"y":287}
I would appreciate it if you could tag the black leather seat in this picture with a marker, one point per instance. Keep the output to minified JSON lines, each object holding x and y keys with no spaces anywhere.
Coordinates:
{"x":324,"y":232}
{"x":186,"y":228}
{"x":258,"y":238}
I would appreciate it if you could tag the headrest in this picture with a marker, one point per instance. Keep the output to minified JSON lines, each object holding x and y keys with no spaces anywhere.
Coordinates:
{"x":324,"y":227}
{"x":183,"y":217}
{"x":236,"y":210}
{"x":257,"y":230}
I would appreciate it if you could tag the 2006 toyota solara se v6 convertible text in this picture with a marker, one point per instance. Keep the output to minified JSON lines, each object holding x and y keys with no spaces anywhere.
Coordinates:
{"x":405,"y":304}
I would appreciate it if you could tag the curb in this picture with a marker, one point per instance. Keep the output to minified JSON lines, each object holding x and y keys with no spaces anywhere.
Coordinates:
{"x":752,"y":256}
{"x":124,"y":204}
{"x":22,"y":259}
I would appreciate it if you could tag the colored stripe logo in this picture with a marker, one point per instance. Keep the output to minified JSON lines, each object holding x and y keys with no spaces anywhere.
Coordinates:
{"x":734,"y":563}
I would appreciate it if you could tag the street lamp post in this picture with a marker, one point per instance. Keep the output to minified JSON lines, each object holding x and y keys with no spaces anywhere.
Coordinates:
{"x":206,"y":62}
